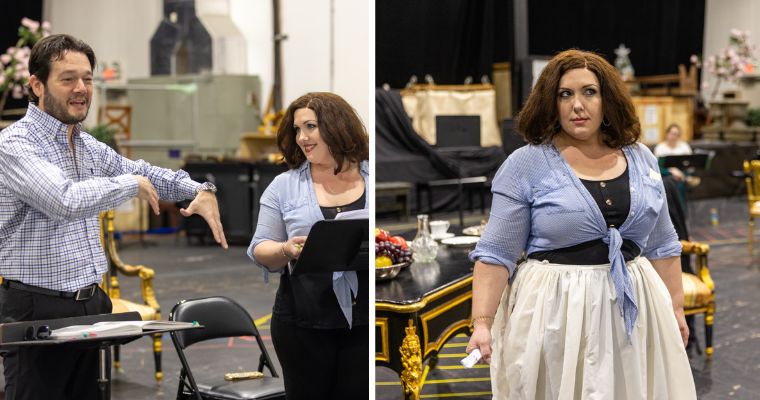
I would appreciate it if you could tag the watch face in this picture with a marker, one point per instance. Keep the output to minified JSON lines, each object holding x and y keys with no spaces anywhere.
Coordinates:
{"x":207,"y":187}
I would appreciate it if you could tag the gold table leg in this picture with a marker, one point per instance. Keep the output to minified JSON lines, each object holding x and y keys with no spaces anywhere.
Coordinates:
{"x":411,"y":362}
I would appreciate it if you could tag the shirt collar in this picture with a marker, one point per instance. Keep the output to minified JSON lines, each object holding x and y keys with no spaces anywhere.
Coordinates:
{"x":50,"y":124}
{"x":363,"y":167}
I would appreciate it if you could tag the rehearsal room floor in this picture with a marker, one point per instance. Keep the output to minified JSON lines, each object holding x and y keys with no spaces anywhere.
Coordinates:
{"x":733,"y":371}
{"x":185,"y":271}
{"x":189,"y":271}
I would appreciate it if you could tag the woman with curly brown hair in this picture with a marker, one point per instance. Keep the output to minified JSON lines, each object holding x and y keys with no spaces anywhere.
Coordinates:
{"x":596,"y":309}
{"x":320,"y":321}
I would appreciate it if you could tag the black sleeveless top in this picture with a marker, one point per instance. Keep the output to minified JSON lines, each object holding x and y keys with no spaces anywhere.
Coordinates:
{"x":308,"y":300}
{"x":613,"y":197}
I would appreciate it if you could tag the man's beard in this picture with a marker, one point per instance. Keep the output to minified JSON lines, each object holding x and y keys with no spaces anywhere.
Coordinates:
{"x":58,"y":109}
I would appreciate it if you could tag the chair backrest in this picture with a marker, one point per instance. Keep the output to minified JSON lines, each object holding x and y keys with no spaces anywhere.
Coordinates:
{"x":221,"y":317}
{"x":701,"y":251}
{"x":752,"y":178}
{"x":118,"y":116}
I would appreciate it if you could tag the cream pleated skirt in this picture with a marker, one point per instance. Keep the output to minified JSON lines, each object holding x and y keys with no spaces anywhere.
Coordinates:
{"x":559,"y":334}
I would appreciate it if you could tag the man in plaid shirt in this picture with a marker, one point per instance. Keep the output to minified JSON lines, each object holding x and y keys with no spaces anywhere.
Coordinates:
{"x":54,"y":181}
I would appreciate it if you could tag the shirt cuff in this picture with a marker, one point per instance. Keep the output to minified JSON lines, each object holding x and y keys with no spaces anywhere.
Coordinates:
{"x":187,"y":188}
{"x":672,"y":250}
{"x":128,"y":182}
{"x":493,"y":260}
{"x":264,"y":269}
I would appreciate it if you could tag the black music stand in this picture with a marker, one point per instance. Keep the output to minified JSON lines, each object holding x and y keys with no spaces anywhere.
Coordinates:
{"x":14,"y":334}
{"x":687,"y":163}
{"x":335,"y":245}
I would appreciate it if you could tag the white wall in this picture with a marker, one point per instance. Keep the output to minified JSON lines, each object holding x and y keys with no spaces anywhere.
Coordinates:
{"x":120,"y":30}
{"x":353,"y":51}
{"x":720,"y":17}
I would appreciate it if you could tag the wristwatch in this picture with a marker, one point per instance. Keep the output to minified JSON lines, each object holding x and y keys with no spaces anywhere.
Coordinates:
{"x":205,"y":187}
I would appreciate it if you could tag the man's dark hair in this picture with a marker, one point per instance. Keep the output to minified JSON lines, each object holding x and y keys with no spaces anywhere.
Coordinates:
{"x":53,"y":48}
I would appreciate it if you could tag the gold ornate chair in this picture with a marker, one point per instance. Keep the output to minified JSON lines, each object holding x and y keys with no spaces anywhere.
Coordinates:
{"x":149,"y":309}
{"x":699,"y":290}
{"x":752,"y":178}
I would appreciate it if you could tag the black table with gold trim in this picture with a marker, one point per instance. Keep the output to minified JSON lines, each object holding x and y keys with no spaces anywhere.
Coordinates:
{"x":418,"y":311}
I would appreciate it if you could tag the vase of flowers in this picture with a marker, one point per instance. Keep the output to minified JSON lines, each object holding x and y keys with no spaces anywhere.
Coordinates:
{"x":14,"y":63}
{"x":732,"y":62}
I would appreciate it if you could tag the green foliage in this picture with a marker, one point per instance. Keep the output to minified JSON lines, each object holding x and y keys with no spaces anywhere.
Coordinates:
{"x":753,"y":117}
{"x":103,"y":133}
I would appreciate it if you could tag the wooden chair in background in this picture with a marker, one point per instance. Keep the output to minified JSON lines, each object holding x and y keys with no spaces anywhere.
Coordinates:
{"x":699,"y":290}
{"x":148,"y":307}
{"x":119,"y":117}
{"x":752,"y":179}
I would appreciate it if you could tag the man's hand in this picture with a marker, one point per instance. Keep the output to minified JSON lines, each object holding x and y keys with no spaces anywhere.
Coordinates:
{"x":206,"y":206}
{"x":147,"y":192}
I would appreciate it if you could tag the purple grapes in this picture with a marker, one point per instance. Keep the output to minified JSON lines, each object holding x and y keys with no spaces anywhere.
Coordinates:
{"x":396,"y":253}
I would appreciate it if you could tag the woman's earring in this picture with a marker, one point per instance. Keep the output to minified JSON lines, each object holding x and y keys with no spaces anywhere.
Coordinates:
{"x":605,"y":122}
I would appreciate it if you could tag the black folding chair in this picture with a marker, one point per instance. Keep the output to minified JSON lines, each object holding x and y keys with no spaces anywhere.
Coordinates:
{"x":222,"y":318}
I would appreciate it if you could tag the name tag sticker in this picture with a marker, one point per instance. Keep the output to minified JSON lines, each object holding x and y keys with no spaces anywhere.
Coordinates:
{"x":654,"y":175}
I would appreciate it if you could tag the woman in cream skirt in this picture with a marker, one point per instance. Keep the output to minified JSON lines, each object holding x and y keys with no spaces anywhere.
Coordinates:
{"x":596,"y":310}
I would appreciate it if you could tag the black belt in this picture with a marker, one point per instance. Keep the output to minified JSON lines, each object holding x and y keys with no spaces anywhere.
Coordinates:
{"x":592,"y":252}
{"x":82,"y":294}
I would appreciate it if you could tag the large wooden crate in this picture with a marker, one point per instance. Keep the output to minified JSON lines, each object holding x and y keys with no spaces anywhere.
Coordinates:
{"x":657,"y":112}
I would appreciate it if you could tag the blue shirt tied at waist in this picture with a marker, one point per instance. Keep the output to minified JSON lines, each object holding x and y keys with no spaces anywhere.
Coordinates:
{"x":538,"y":200}
{"x":289,"y":207}
{"x":621,"y":279}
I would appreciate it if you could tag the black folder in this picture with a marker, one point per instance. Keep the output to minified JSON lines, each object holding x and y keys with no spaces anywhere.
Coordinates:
{"x":685,"y":162}
{"x":335,"y":245}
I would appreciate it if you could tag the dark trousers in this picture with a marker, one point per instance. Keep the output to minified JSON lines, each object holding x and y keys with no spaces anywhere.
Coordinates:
{"x":322,"y":363}
{"x":49,"y":372}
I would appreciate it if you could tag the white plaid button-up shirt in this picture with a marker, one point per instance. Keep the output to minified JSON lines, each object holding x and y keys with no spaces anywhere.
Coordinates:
{"x":50,"y":198}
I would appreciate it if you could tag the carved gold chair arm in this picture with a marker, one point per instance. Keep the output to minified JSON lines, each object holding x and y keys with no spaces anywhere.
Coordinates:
{"x":695,"y":247}
{"x":145,"y":274}
{"x":701,"y":250}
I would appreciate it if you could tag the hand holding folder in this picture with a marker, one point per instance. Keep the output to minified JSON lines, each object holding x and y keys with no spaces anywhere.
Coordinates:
{"x":335,"y":245}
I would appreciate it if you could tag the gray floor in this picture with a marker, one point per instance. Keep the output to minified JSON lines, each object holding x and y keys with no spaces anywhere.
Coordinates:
{"x":184,"y":271}
{"x":733,"y":372}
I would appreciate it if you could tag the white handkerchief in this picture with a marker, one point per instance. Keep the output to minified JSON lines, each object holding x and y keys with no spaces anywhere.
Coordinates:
{"x":654,"y":175}
{"x":471,"y":359}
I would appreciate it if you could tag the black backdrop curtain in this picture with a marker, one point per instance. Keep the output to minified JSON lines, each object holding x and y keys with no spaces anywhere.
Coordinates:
{"x":660,"y":34}
{"x":448,"y":39}
{"x":452,"y":39}
{"x":11,"y":13}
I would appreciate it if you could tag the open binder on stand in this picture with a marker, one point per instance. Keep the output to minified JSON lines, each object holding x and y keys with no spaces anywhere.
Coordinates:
{"x":127,"y":327}
{"x":335,"y":245}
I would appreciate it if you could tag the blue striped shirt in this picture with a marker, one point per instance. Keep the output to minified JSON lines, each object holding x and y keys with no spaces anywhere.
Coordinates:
{"x":289,"y":207}
{"x":539,"y":204}
{"x":50,"y":198}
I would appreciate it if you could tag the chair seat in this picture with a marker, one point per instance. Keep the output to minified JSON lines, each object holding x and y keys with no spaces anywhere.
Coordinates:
{"x":695,"y":292}
{"x":120,"y":306}
{"x":266,"y":388}
{"x":755,"y":209}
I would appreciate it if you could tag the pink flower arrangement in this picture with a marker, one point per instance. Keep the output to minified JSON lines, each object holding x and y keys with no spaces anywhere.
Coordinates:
{"x":14,"y":64}
{"x":734,"y":61}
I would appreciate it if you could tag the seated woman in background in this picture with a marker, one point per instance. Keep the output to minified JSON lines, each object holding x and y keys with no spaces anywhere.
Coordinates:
{"x":673,"y":146}
{"x":320,"y":321}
